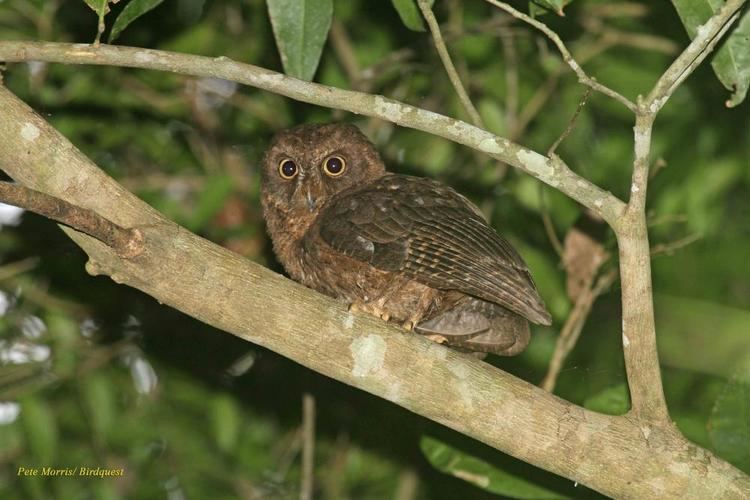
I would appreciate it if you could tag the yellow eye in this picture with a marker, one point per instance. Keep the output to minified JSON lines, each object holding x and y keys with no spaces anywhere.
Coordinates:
{"x":288,"y":169}
{"x":334,"y":166}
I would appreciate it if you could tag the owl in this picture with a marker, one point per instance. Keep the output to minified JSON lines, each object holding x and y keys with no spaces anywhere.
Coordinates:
{"x":403,"y":248}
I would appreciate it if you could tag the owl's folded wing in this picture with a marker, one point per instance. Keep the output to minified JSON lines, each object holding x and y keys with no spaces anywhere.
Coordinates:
{"x":434,"y":235}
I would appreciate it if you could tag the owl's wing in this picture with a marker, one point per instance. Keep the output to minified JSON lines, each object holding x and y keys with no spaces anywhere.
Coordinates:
{"x":434,"y":235}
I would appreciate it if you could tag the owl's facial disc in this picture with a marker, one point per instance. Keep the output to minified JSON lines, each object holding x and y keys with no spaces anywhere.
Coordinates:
{"x":308,"y":165}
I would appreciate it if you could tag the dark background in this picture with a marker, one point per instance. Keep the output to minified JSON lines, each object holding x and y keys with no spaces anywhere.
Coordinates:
{"x":96,"y":374}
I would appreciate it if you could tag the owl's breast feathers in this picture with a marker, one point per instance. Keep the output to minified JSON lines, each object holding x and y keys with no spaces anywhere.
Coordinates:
{"x":428,"y":232}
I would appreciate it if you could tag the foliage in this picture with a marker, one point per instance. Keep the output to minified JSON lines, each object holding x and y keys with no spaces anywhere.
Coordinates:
{"x":97,"y":375}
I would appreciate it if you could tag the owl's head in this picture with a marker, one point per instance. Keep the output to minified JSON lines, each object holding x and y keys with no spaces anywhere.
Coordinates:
{"x":306,"y":166}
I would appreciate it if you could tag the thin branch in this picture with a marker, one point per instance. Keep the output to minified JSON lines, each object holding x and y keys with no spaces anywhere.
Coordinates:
{"x":618,"y":456}
{"x":672,"y":246}
{"x":706,"y":38}
{"x":510,"y":60}
{"x":573,"y":326}
{"x":571,"y":123}
{"x":567,"y":57}
{"x":344,"y":52}
{"x":549,"y":226}
{"x":308,"y":447}
{"x":128,"y":243}
{"x":551,"y":171}
{"x":13,"y":269}
{"x":450,"y":69}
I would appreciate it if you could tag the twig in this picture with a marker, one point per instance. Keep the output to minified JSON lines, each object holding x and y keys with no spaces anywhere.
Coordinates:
{"x":573,"y":326}
{"x":549,"y":227}
{"x":567,"y":57}
{"x":535,"y":105}
{"x":571,"y":123}
{"x":408,"y":483}
{"x":658,"y":165}
{"x":445,"y":57}
{"x":657,"y":220}
{"x":344,"y":52}
{"x":128,"y":243}
{"x":673,"y":246}
{"x":550,"y":171}
{"x":510,"y":59}
{"x":13,"y":269}
{"x":308,"y":446}
{"x":706,"y":38}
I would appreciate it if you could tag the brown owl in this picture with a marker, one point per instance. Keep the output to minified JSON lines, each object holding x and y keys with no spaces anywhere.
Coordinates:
{"x":403,"y":248}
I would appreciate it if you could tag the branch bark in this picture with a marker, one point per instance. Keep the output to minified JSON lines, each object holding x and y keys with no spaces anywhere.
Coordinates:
{"x":631,"y":230}
{"x":128,"y":243}
{"x":551,"y":171}
{"x":616,"y":455}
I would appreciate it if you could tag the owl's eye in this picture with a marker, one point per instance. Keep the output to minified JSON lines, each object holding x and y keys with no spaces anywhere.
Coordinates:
{"x":288,"y":169}
{"x":334,"y":166}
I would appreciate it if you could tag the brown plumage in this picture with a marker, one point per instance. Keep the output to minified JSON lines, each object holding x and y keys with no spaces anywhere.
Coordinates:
{"x":403,"y":248}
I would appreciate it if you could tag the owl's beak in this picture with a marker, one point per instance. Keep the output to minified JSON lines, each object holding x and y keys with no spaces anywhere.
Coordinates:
{"x":310,"y":201}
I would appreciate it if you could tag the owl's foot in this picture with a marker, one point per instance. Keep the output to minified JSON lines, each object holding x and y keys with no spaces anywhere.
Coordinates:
{"x":373,"y":308}
{"x":408,"y":325}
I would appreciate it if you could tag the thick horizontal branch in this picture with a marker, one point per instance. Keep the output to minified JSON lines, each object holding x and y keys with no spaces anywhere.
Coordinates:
{"x":618,"y":456}
{"x":128,"y":243}
{"x":551,"y":171}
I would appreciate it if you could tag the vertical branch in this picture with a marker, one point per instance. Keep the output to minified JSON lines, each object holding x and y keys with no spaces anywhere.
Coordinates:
{"x":638,"y":326}
{"x":644,"y":123}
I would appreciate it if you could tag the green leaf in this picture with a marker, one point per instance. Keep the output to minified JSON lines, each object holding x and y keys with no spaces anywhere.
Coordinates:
{"x":40,"y":429}
{"x":480,"y":473}
{"x":101,"y":7}
{"x":99,"y":400}
{"x":613,"y":400}
{"x":131,"y":12}
{"x":729,"y":425}
{"x":539,"y":7}
{"x":687,"y":325}
{"x":98,"y":6}
{"x":732,"y":61}
{"x":300,"y":28}
{"x":225,"y":421}
{"x":410,"y":14}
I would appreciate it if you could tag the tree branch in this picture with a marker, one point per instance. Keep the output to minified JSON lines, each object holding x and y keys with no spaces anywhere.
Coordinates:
{"x":551,"y":171}
{"x":638,"y":325}
{"x":450,"y":69}
{"x":567,"y":57}
{"x":128,"y":243}
{"x":708,"y":35}
{"x":616,"y":455}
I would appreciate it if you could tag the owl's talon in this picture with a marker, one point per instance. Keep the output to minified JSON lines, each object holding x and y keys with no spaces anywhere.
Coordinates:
{"x":408,"y":325}
{"x":385,"y":316}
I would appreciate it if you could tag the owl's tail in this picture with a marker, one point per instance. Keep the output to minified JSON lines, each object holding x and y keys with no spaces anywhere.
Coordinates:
{"x":478,"y":325}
